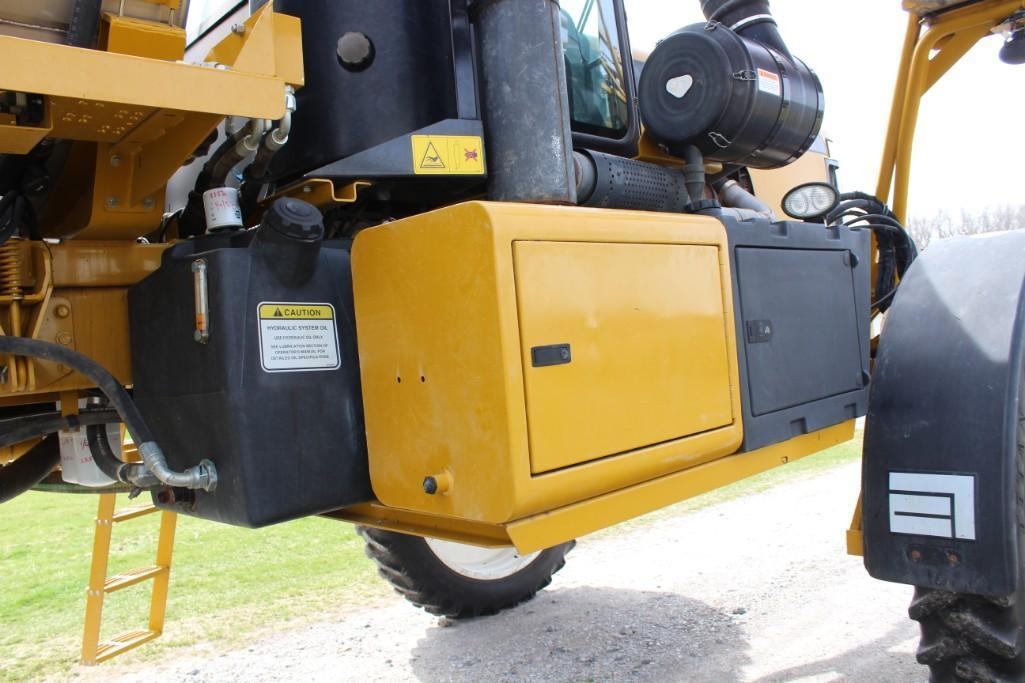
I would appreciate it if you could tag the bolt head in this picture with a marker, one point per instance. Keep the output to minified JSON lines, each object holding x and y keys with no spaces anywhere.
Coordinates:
{"x":239,"y":29}
{"x":64,"y":339}
{"x":63,"y":311}
{"x":148,"y":203}
{"x":112,"y":202}
{"x":430,"y":486}
{"x":115,"y":160}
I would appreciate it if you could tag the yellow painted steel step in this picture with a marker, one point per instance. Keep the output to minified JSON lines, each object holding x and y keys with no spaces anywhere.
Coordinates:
{"x":95,"y":650}
{"x":132,"y":577}
{"x":121,"y":643}
{"x":132,"y":513}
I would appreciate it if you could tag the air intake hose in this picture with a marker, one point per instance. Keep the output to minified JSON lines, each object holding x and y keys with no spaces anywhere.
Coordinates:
{"x":750,"y":18}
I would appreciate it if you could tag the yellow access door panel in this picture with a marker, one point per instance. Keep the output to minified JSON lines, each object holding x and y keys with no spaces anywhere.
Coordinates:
{"x":523,"y":358}
{"x":637,"y":334}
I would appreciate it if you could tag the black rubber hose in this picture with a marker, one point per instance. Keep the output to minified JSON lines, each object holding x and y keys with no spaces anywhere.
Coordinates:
{"x":106,"y":382}
{"x":103,"y":454}
{"x":28,"y":470}
{"x":694,"y":173}
{"x":753,"y":19}
{"x":18,"y":429}
{"x":255,"y":176}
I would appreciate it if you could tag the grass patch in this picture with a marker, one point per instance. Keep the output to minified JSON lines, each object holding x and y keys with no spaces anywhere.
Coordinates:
{"x":226,"y":582}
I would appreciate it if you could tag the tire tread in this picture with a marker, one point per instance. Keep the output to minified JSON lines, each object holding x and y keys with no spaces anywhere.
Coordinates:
{"x":413,"y":571}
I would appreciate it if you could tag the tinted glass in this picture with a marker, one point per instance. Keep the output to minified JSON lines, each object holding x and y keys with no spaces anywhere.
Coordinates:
{"x":594,"y":67}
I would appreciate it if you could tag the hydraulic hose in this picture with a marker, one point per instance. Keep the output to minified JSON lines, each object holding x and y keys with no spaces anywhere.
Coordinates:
{"x":202,"y":476}
{"x":106,"y":382}
{"x":114,"y":467}
{"x":103,"y":454}
{"x":28,"y":470}
{"x":18,"y":429}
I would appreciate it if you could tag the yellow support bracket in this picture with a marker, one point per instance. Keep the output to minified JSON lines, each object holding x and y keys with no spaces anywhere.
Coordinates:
{"x":855,"y":535}
{"x":926,"y":58}
{"x":94,"y":650}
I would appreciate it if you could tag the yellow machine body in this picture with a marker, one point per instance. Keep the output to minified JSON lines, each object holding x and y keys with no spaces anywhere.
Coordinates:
{"x":451,"y":307}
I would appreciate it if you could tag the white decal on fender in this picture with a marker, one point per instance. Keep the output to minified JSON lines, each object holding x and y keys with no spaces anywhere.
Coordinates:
{"x":940,"y":505}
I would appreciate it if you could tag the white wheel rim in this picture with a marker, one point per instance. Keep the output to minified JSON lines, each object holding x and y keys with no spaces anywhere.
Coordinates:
{"x":482,"y":564}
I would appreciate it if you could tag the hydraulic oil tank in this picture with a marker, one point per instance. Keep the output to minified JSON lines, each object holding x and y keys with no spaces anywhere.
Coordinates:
{"x":271,"y":393}
{"x":374,"y":71}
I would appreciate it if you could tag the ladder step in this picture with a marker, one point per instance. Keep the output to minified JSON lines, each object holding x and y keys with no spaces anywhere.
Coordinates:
{"x":131,"y":577}
{"x":132,"y":513}
{"x":122,"y":643}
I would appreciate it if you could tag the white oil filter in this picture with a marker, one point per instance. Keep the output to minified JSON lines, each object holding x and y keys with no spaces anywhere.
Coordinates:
{"x":77,"y":465}
{"x":222,"y":209}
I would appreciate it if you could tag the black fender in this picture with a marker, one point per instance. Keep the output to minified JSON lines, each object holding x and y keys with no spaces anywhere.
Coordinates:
{"x":939,"y":478}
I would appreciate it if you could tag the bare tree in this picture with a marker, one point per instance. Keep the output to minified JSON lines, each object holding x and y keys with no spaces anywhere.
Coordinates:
{"x":943,"y":224}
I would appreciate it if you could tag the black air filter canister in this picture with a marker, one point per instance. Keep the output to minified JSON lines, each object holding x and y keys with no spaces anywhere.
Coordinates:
{"x":737,"y":99}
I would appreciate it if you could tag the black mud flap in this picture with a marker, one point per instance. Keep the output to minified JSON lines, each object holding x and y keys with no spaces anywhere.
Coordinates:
{"x":940,"y":465}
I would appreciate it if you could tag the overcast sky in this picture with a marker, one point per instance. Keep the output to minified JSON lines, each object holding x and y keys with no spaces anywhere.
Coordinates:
{"x":970,"y":148}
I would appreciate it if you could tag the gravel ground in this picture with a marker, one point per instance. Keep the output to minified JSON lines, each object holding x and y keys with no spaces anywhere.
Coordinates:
{"x":755,"y":589}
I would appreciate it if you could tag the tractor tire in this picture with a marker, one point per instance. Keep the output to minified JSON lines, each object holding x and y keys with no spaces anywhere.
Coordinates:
{"x":972,"y":637}
{"x":460,"y":581}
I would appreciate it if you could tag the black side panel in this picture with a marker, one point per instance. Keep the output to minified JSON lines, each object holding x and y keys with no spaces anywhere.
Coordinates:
{"x":940,"y":480}
{"x":807,"y":346}
{"x":801,"y":294}
{"x":286,"y":444}
{"x":408,"y":84}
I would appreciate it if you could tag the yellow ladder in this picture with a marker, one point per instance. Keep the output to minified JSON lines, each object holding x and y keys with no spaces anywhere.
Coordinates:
{"x":94,"y":651}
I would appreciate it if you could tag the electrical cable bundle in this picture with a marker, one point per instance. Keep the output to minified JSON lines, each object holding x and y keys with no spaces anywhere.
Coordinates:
{"x":897,"y":250}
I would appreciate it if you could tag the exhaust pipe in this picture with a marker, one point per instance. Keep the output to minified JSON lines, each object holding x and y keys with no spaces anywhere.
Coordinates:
{"x":526,"y":108}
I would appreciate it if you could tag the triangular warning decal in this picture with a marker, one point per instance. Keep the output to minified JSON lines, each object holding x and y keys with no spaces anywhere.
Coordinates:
{"x":278,"y":313}
{"x":432,"y":158}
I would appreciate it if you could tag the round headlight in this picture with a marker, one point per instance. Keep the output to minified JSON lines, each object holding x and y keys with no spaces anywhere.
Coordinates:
{"x":810,"y":201}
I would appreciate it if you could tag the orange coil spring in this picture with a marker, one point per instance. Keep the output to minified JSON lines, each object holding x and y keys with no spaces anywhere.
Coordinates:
{"x":10,"y":269}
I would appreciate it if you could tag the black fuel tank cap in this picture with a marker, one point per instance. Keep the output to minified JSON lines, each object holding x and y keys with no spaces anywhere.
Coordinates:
{"x":295,"y":219}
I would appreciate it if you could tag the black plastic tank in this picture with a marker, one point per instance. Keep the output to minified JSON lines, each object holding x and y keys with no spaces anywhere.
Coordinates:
{"x":374,"y":71}
{"x":272,"y":394}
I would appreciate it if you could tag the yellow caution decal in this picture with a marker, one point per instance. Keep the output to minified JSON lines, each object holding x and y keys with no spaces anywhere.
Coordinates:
{"x":301,"y":311}
{"x":448,"y":155}
{"x":298,"y":337}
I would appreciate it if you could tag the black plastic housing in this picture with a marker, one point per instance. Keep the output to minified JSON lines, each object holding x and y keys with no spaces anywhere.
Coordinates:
{"x":420,"y":73}
{"x":286,"y":444}
{"x":801,"y":299}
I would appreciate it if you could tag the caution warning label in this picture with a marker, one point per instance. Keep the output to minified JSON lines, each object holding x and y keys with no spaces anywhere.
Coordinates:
{"x":448,"y":155}
{"x":298,"y":337}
